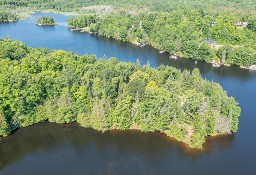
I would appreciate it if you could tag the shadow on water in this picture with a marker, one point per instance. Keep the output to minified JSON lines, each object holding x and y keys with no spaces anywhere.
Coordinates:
{"x":50,"y":136}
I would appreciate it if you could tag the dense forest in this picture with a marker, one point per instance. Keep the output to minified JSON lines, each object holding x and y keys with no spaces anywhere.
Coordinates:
{"x":213,"y":6}
{"x":7,"y":17}
{"x":45,"y":21}
{"x":194,"y":34}
{"x":220,"y":31}
{"x":42,"y":85}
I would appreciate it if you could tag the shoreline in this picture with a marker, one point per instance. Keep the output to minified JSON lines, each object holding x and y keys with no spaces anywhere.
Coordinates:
{"x":182,"y":131}
{"x":214,"y":63}
{"x":45,"y":24}
{"x":185,"y":143}
{"x":10,"y":21}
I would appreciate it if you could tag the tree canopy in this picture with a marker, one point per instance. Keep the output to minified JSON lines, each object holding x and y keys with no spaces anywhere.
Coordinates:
{"x":39,"y":84}
{"x":241,"y":7}
{"x":183,"y":34}
{"x":45,"y":21}
{"x":181,"y":27}
{"x":7,"y":17}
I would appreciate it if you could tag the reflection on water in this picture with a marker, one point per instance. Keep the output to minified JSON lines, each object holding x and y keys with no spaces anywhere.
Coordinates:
{"x":46,"y":138}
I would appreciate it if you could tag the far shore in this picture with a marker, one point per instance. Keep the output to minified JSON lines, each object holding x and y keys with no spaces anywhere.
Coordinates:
{"x":172,"y":56}
{"x":28,"y":14}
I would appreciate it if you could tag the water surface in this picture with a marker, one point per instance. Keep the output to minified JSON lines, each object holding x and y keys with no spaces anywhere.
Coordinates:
{"x":69,"y":149}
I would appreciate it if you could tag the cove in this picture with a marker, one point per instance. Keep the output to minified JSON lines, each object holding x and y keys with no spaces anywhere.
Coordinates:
{"x":236,"y":157}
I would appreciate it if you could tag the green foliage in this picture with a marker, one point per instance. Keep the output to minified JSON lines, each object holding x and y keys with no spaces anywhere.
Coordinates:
{"x":13,"y":50}
{"x":223,"y":53}
{"x":62,"y":87}
{"x":197,"y":140}
{"x":216,"y":6}
{"x":81,"y":21}
{"x":155,"y":112}
{"x":225,"y":30}
{"x":7,"y":17}
{"x":175,"y":26}
{"x":205,"y":53}
{"x":190,"y":49}
{"x":178,"y":131}
{"x":179,"y":33}
{"x":4,"y":127}
{"x":45,"y":21}
{"x":252,"y":25}
{"x":121,"y":115}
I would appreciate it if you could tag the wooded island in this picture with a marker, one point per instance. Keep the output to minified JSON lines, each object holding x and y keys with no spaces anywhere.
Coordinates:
{"x":45,"y":21}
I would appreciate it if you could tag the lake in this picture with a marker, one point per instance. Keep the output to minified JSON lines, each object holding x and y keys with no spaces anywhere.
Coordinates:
{"x":51,"y":149}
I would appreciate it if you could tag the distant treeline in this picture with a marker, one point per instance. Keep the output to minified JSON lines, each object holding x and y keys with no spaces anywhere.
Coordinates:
{"x":225,"y":38}
{"x":38,"y":85}
{"x":216,"y":6}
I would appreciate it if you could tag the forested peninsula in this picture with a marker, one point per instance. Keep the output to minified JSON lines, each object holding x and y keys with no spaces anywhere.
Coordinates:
{"x":39,"y":85}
